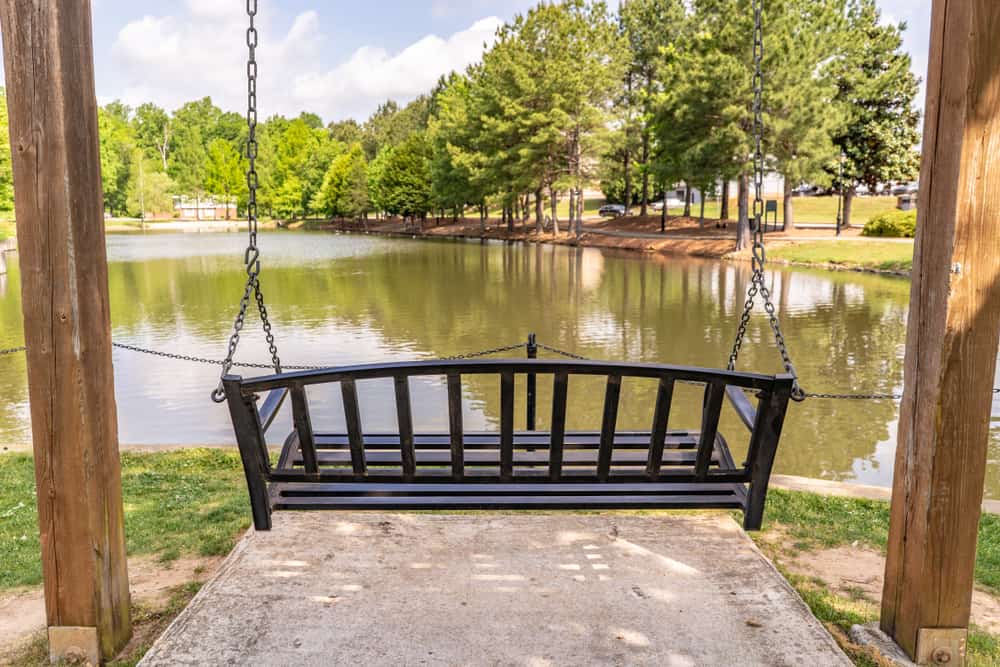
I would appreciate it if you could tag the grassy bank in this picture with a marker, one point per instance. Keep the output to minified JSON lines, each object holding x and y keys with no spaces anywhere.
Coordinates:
{"x":808,"y":522}
{"x":810,"y":210}
{"x":190,"y":502}
{"x":193,"y":502}
{"x":867,"y":255}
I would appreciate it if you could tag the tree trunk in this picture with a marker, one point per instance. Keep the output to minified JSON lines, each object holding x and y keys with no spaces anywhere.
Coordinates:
{"x":645,"y":174}
{"x":627,"y":158}
{"x":627,"y":164}
{"x":701,"y":220}
{"x":743,"y":224}
{"x":483,"y":212}
{"x":724,"y":210}
{"x":789,"y":219}
{"x":554,"y":207}
{"x":539,"y":211}
{"x":848,"y":201}
{"x":579,"y":211}
{"x":687,"y":200}
{"x":663,"y":211}
{"x":572,"y":210}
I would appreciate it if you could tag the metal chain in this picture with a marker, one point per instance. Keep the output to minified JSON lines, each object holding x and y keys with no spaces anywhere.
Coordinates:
{"x":251,"y":256}
{"x":757,"y":283}
{"x":485,"y":353}
{"x":555,"y":350}
{"x":471,"y":355}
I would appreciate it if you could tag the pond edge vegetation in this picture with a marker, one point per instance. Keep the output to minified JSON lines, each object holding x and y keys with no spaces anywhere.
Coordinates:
{"x":191,"y":502}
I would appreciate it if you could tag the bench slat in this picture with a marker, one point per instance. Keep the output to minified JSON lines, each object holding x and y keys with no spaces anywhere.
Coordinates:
{"x":661,"y":420}
{"x":377,"y":457}
{"x":352,"y":413}
{"x":404,"y":416}
{"x":488,"y":440}
{"x":715,"y":392}
{"x":507,"y":425}
{"x":303,"y":426}
{"x":487,"y":475}
{"x":531,"y":488}
{"x":612,"y":394}
{"x":721,"y":501}
{"x":456,"y":427}
{"x":557,"y":440}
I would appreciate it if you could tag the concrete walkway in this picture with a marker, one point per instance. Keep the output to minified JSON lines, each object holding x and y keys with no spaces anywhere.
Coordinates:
{"x":497,"y":589}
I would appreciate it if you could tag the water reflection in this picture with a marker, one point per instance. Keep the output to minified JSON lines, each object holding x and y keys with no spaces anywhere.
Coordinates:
{"x":342,"y":299}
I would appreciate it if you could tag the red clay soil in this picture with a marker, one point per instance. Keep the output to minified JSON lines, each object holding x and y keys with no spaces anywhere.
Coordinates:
{"x":684,"y":236}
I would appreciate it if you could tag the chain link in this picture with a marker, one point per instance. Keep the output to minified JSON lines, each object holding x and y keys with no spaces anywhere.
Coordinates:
{"x":563,"y":353}
{"x":758,"y":285}
{"x":12,"y":350}
{"x":485,"y":353}
{"x":251,"y":256}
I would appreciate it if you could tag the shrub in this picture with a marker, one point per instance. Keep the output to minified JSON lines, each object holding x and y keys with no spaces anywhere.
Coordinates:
{"x":899,"y":224}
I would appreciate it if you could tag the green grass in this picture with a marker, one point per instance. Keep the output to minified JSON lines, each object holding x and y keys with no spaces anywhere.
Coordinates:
{"x":880,"y":255}
{"x":813,"y":210}
{"x":147,"y":625}
{"x":815,"y":521}
{"x":6,"y":229}
{"x":191,"y":502}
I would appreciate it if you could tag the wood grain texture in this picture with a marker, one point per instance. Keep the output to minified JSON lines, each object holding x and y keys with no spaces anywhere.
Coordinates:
{"x":48,"y":59}
{"x":954,"y":327}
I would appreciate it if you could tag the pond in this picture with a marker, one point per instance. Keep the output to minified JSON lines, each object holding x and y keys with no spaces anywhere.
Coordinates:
{"x":340,"y":299}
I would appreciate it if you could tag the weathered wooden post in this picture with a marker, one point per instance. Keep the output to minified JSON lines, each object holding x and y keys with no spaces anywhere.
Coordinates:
{"x":952,"y":341}
{"x":49,"y":64}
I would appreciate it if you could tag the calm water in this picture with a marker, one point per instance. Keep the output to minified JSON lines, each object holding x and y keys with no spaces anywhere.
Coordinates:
{"x":344,"y":299}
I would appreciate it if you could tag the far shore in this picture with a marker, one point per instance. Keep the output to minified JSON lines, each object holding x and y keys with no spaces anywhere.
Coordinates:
{"x":810,"y":245}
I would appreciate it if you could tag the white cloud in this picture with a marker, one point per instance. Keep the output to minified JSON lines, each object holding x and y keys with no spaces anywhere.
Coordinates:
{"x":201,"y":51}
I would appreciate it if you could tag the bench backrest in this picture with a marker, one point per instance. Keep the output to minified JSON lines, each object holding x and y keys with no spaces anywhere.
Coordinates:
{"x":763,"y":420}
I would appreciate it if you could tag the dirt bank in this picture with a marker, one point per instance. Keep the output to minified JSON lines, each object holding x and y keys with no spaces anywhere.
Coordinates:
{"x":683,"y":236}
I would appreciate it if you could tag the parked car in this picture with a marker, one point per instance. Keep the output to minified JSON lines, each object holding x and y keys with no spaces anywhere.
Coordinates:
{"x":807,"y":190}
{"x":911,"y":188}
{"x":671,"y":202}
{"x":612,"y":211}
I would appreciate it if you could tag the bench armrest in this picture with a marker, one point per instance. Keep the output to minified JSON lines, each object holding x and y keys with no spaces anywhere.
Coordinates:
{"x":270,"y":406}
{"x":744,"y":408}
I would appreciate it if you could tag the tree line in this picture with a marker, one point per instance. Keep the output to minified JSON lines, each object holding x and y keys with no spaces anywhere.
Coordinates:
{"x":570,"y":93}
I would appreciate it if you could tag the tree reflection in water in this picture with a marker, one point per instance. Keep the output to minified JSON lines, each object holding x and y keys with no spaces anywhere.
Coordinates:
{"x":344,"y":299}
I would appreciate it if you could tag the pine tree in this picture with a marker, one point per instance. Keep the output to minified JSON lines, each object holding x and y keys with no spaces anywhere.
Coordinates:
{"x":876,"y":90}
{"x":801,"y":37}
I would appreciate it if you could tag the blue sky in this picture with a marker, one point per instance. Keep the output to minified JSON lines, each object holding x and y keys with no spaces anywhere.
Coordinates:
{"x":339,"y":58}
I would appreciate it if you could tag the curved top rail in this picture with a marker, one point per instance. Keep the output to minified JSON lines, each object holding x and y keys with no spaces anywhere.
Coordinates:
{"x":498,"y":366}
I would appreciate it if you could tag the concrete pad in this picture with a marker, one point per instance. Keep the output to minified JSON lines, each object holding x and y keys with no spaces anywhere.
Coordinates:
{"x":527,"y":589}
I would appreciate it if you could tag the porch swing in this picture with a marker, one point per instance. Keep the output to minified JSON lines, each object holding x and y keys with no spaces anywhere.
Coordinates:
{"x":509,"y":469}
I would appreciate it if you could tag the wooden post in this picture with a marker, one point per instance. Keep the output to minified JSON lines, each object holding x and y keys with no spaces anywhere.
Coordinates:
{"x":952,"y":340}
{"x":48,"y":58}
